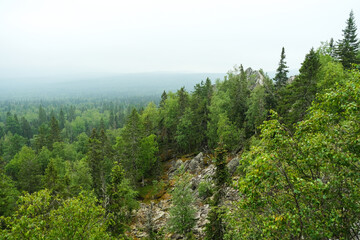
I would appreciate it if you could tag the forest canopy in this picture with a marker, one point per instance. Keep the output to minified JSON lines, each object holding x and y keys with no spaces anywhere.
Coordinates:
{"x":78,"y":168}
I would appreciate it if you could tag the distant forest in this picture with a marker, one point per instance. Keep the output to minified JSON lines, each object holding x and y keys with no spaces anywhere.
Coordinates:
{"x":75,"y":167}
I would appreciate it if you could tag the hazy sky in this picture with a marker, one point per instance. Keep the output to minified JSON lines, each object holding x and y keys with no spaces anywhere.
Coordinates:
{"x":49,"y":37}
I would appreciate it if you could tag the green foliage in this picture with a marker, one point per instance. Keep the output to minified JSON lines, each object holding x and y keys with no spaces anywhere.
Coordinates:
{"x":182,"y":213}
{"x":148,"y":155}
{"x":305,"y":185}
{"x":150,"y":118}
{"x":220,"y":104}
{"x":128,"y":146}
{"x":257,"y":111}
{"x":215,"y":228}
{"x":205,"y":189}
{"x":185,"y":132}
{"x":41,"y":216}
{"x":229,"y":135}
{"x":298,"y":95}
{"x":54,"y":135}
{"x":281,"y":72}
{"x":239,"y":93}
{"x":25,"y":170}
{"x":11,"y":145}
{"x":8,"y":195}
{"x":78,"y":173}
{"x":347,"y":49}
{"x":121,"y":201}
{"x":95,"y":159}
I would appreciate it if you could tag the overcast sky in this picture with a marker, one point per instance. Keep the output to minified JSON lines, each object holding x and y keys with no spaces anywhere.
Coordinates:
{"x":50,"y":37}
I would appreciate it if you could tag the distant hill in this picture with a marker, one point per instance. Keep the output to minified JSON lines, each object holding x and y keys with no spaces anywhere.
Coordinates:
{"x":122,"y":85}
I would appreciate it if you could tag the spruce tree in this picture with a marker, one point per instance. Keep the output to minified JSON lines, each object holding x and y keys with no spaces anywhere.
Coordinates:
{"x":215,"y":228}
{"x":25,"y":128}
{"x":348,"y":48}
{"x":304,"y":87}
{"x":95,"y":159}
{"x":61,"y":119}
{"x":42,"y":116}
{"x":54,"y":132}
{"x":281,"y":73}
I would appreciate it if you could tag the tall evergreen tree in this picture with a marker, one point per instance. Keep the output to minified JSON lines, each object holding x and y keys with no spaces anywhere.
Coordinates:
{"x":239,"y":93}
{"x":215,"y":228}
{"x":61,"y":119}
{"x":54,"y":132}
{"x":304,"y":87}
{"x":26,"y":128}
{"x":42,"y":116}
{"x":348,"y":48}
{"x":95,"y":159}
{"x":281,"y":72}
{"x":129,"y":144}
{"x":121,"y":201}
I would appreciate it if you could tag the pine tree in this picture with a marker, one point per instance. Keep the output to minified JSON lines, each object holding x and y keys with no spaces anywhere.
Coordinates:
{"x":348,"y":47}
{"x":281,"y":73}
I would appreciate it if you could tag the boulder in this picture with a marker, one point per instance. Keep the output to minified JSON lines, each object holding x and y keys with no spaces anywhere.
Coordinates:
{"x":233,"y":165}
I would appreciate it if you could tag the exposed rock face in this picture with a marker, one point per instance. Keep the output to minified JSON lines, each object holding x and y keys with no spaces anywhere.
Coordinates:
{"x":255,"y":77}
{"x":160,"y":209}
{"x":232,"y":165}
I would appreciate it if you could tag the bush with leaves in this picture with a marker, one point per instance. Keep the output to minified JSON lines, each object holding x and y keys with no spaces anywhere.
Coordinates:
{"x":205,"y":189}
{"x":305,"y":185}
{"x":43,"y":216}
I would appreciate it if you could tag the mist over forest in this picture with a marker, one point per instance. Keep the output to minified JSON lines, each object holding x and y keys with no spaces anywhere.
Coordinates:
{"x":119,"y":86}
{"x":123,"y":124}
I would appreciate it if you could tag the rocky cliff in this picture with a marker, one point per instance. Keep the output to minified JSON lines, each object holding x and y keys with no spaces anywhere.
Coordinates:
{"x":201,"y":169}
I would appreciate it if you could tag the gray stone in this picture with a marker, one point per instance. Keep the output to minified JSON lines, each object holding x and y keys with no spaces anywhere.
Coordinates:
{"x":233,"y":165}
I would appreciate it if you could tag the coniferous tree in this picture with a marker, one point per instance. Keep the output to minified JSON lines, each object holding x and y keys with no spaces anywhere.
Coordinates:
{"x":42,"y":116}
{"x":121,"y":201}
{"x":12,"y":124}
{"x":129,"y":145}
{"x":26,"y":131}
{"x":54,"y":135}
{"x":281,"y":72}
{"x":215,"y":228}
{"x":95,"y":159}
{"x":348,"y":48}
{"x":163,"y":99}
{"x":61,"y":119}
{"x":239,"y":94}
{"x":41,"y":139}
{"x":200,"y":103}
{"x":304,"y":87}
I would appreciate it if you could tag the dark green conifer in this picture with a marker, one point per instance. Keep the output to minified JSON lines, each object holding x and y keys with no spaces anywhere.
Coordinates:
{"x":281,"y":73}
{"x":61,"y":119}
{"x":348,"y":48}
